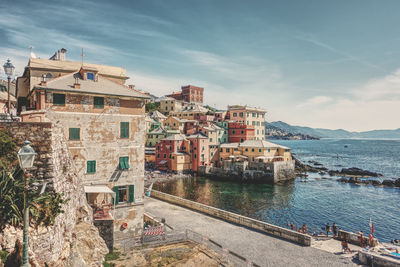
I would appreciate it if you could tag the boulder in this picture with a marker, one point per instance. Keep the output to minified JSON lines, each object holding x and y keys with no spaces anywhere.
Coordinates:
{"x":343,"y":180}
{"x":376,"y":182}
{"x":354,"y":180}
{"x":388,"y":182}
{"x":359,"y":172}
{"x":397,"y":182}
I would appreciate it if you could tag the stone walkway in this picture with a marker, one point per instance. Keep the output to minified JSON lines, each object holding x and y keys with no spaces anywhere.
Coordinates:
{"x":262,"y":249}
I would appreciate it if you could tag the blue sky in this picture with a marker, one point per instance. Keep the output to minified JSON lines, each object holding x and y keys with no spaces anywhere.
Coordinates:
{"x":331,"y":64}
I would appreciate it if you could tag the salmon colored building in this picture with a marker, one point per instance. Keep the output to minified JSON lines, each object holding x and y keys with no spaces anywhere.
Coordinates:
{"x":199,"y":150}
{"x":166,"y":147}
{"x":240,"y":132}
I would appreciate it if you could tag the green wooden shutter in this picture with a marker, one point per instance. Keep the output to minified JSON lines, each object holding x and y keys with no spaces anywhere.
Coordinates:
{"x":131,"y":193}
{"x":74,"y":134}
{"x":115,"y":189}
{"x":59,"y":99}
{"x":98,"y":102}
{"x":121,"y":163}
{"x":126,"y":162}
{"x":124,"y":129}
{"x":91,"y":166}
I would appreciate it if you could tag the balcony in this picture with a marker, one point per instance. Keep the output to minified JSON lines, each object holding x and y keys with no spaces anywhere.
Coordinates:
{"x":100,"y":198}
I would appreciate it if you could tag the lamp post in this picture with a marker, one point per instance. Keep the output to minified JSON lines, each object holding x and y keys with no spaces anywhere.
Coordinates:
{"x":26,"y":156}
{"x":9,"y":70}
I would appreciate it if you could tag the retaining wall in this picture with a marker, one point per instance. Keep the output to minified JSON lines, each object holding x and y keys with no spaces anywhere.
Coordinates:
{"x":237,"y":219}
{"x":370,"y":259}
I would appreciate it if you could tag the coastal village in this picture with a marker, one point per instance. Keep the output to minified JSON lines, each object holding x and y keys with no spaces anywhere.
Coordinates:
{"x":99,"y":139}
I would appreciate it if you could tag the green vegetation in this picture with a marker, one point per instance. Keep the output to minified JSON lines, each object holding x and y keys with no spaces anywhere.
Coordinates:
{"x":44,"y":208}
{"x":152,"y":106}
{"x":8,"y":155}
{"x":112,"y":256}
{"x":3,"y":256}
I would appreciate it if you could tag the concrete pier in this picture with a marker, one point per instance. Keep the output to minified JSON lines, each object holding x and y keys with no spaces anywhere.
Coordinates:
{"x":260,"y":248}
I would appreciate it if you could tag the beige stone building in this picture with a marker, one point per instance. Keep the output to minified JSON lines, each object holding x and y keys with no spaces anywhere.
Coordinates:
{"x":250,"y":116}
{"x":104,"y":123}
{"x":169,"y":104}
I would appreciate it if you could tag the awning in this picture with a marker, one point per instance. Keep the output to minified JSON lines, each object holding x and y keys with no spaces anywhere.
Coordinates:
{"x":162,"y":162}
{"x":98,"y":189}
{"x":261,"y":157}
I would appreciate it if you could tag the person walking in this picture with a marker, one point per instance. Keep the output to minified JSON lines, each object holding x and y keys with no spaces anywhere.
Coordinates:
{"x":327,"y":229}
{"x":334,"y":229}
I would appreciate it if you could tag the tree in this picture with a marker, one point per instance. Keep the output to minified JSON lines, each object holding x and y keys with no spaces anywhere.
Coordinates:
{"x":152,"y":106}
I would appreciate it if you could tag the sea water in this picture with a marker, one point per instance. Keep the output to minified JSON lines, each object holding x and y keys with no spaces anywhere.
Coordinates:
{"x":319,"y":198}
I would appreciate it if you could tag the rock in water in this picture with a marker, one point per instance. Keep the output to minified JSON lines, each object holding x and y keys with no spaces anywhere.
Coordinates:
{"x":388,"y":182}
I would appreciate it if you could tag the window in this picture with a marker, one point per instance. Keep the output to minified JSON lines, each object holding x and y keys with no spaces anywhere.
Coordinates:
{"x":262,"y":131}
{"x":234,"y":114}
{"x":124,"y":127}
{"x":131,"y":196}
{"x":98,"y":102}
{"x":233,"y":132}
{"x":210,"y":139}
{"x":258,"y":115}
{"x":269,"y":150}
{"x":241,"y":114}
{"x":220,"y":150}
{"x":228,"y":150}
{"x":242,"y":132}
{"x":259,"y":150}
{"x":253,"y":123}
{"x":124,"y":163}
{"x":158,"y":155}
{"x":252,"y":150}
{"x":91,"y":166}
{"x":74,"y":134}
{"x":120,"y":194}
{"x":246,"y":149}
{"x":248,"y":123}
{"x":195,"y":156}
{"x":248,"y":114}
{"x":241,"y":140}
{"x":90,"y":76}
{"x":165,"y":156}
{"x":253,"y":114}
{"x":258,"y":131}
{"x":170,"y":156}
{"x":59,"y":99}
{"x":212,"y":154}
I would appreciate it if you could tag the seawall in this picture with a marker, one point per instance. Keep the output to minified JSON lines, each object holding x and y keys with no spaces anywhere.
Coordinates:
{"x":264,"y":227}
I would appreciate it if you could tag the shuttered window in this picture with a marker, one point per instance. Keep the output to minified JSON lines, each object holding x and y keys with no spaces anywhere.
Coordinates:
{"x":131,"y":197}
{"x":116,"y":191}
{"x":124,"y":126}
{"x":98,"y":102}
{"x":124,"y":163}
{"x":91,"y":166}
{"x":74,"y":134}
{"x":59,"y":99}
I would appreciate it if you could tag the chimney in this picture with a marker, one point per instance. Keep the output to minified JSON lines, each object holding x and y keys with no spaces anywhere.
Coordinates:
{"x":43,"y":81}
{"x":77,"y":85}
{"x":131,"y":86}
{"x":59,"y":55}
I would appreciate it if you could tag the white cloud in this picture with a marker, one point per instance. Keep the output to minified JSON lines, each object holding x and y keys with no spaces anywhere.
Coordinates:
{"x":315,"y":101}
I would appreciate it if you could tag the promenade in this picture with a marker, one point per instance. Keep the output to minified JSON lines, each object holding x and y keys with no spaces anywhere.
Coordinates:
{"x":257,"y":247}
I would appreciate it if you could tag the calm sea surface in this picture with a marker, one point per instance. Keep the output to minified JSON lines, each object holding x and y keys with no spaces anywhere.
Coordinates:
{"x":318,"y":200}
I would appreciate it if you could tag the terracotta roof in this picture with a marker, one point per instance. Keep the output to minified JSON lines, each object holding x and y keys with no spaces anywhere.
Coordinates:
{"x":176,"y":137}
{"x":197,"y":135}
{"x":73,"y":66}
{"x":102,"y":86}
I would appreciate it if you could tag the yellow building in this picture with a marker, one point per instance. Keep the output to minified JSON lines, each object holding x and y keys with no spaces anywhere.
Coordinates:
{"x":181,"y":162}
{"x":250,"y":116}
{"x":264,"y":151}
{"x":173,"y":123}
{"x":191,"y":112}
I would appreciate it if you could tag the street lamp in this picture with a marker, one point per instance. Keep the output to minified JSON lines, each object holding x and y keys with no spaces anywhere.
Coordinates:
{"x":9,"y":70}
{"x":26,"y":156}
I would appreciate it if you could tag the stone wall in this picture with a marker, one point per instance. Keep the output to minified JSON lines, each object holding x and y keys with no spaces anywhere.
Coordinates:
{"x":370,"y":259}
{"x":54,"y":165}
{"x":237,"y":219}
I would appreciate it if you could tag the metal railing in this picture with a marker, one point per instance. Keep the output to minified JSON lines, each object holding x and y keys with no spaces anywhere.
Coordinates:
{"x":227,"y":256}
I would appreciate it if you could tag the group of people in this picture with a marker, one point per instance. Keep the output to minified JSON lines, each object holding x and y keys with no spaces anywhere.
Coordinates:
{"x":302,"y":229}
{"x":333,"y":229}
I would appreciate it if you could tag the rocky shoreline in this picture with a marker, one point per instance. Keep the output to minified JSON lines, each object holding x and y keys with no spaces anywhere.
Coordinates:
{"x":347,"y":175}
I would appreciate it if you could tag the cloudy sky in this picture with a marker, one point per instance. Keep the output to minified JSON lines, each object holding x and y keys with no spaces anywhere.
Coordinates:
{"x":330,"y":64}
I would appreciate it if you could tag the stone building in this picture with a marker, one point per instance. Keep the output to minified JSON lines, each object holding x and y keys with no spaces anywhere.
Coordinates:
{"x":4,"y":97}
{"x":250,"y":116}
{"x":105,"y":128}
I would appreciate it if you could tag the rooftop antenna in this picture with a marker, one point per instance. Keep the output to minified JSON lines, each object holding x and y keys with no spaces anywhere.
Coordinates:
{"x":82,"y":55}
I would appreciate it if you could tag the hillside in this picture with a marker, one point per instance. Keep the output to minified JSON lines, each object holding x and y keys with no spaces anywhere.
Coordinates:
{"x":339,"y":133}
